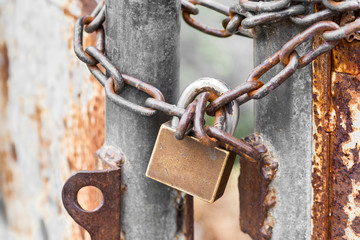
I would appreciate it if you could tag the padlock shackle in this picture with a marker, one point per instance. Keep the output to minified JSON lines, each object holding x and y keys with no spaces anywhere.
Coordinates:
{"x":212,"y":85}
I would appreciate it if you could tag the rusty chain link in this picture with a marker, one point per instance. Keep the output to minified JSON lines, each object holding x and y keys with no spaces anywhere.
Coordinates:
{"x":241,"y":19}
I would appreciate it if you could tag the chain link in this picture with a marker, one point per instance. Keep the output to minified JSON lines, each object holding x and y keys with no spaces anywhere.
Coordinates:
{"x":97,"y":22}
{"x":343,"y":31}
{"x":261,"y":6}
{"x":248,"y":14}
{"x":342,"y":6}
{"x":241,"y":19}
{"x":271,"y":17}
{"x":314,"y":17}
{"x":302,"y":37}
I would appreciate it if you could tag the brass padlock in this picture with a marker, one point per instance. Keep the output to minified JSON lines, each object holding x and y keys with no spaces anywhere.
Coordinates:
{"x":188,"y":165}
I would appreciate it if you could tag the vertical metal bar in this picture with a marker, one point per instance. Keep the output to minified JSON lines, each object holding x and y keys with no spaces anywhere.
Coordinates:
{"x":344,"y":180}
{"x":321,"y":141}
{"x":284,"y":120}
{"x":142,"y":40}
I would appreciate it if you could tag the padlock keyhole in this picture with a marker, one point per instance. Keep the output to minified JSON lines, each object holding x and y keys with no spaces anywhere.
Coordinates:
{"x":90,"y":198}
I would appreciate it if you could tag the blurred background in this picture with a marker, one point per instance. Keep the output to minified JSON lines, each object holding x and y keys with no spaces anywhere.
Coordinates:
{"x":52,"y":115}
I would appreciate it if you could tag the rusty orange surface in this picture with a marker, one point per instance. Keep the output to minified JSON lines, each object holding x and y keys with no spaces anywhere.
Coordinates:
{"x":336,"y":143}
{"x":345,"y":144}
{"x":83,"y":125}
{"x":320,"y":167}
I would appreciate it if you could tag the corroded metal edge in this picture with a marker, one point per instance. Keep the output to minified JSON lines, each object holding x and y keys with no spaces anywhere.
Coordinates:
{"x":257,"y":197}
{"x":320,"y":133}
{"x":344,"y":179}
{"x":185,"y":216}
{"x":335,"y":178}
{"x":103,"y":222}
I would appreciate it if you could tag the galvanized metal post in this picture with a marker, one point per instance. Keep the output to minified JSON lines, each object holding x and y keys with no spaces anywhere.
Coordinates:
{"x":283,"y":119}
{"x":142,"y":40}
{"x":311,"y":125}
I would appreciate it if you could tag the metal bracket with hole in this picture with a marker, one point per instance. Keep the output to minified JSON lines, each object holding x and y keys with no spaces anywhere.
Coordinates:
{"x":104,"y":221}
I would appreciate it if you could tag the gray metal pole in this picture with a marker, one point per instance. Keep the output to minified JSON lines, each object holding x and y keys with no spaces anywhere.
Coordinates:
{"x":142,"y":40}
{"x":284,"y":119}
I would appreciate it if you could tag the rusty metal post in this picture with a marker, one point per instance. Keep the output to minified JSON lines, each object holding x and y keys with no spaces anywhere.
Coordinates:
{"x":344,"y":147}
{"x":142,"y":40}
{"x":335,"y":212}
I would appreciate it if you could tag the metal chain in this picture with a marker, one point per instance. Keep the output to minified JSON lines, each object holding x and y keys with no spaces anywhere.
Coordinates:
{"x":240,"y":20}
{"x":243,"y":17}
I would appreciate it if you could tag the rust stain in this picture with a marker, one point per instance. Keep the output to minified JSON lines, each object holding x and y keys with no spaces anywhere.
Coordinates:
{"x":6,"y":174}
{"x":345,"y":165}
{"x":7,"y":148}
{"x":320,"y":163}
{"x":185,"y":216}
{"x":85,"y":123}
{"x":8,"y":154}
{"x":257,"y":197}
{"x":346,"y":58}
{"x":4,"y":73}
{"x":44,"y":143}
{"x":85,"y":129}
{"x":85,"y":7}
{"x":85,"y":133}
{"x":336,"y":136}
{"x":13,"y":152}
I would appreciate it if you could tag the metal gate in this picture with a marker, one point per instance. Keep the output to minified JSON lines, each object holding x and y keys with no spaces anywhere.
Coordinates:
{"x":304,"y":183}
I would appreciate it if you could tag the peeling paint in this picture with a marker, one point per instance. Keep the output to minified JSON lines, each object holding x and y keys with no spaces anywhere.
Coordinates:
{"x":345,"y":165}
{"x":352,"y":209}
{"x":336,"y":136}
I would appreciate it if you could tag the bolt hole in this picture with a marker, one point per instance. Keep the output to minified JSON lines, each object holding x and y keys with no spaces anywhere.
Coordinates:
{"x":90,"y":198}
{"x":351,"y":37}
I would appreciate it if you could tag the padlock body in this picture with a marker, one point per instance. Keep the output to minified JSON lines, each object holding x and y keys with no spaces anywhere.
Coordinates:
{"x":189,"y":166}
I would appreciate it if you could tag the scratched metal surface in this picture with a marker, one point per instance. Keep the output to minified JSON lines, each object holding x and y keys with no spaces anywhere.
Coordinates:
{"x":284,"y":119}
{"x":140,"y":45}
{"x":51,"y":116}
